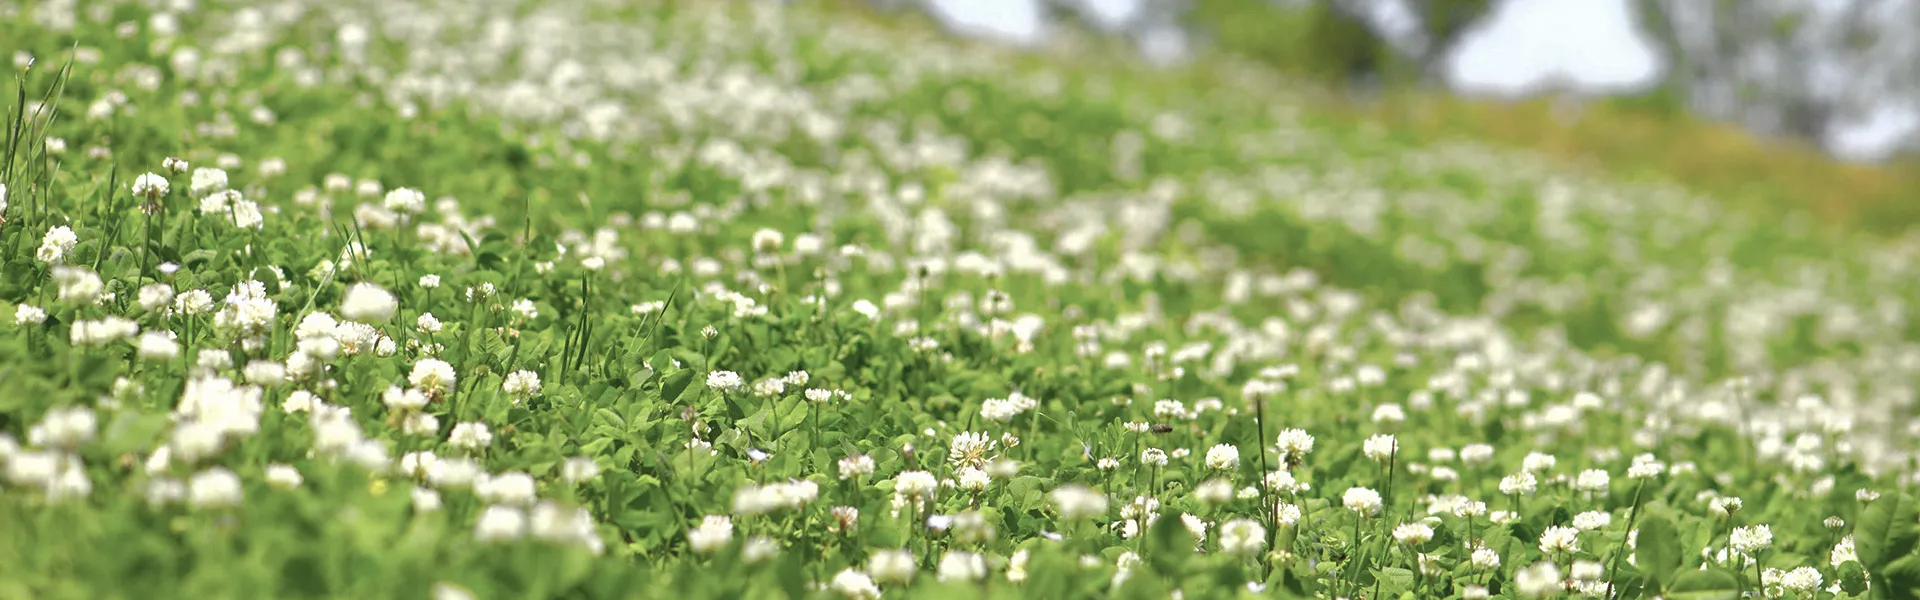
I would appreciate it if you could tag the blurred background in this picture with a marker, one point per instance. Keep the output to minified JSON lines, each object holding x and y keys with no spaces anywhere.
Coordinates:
{"x":1805,"y":104}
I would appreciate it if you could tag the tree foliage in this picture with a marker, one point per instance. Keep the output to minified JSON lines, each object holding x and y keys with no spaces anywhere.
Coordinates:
{"x":1791,"y":68}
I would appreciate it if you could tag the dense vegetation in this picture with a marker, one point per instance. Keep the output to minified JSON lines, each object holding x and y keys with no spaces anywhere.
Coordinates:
{"x":589,"y":299}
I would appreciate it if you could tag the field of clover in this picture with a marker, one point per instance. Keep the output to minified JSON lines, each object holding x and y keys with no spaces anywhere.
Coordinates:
{"x":603,"y":299}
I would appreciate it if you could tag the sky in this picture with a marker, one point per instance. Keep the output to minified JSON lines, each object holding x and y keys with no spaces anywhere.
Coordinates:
{"x":1525,"y":44}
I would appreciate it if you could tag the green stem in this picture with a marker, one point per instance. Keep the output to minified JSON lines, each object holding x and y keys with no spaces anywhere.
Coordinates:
{"x":1633,"y":516}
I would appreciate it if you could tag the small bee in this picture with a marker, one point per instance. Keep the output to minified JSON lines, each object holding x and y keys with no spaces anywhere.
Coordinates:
{"x":1162,"y":428}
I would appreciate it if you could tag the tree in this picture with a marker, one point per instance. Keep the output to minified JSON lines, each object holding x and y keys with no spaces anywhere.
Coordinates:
{"x":1802,"y":69}
{"x":1341,"y":38}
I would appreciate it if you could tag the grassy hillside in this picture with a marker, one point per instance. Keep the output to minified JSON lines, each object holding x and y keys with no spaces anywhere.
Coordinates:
{"x":587,"y":299}
{"x":1631,"y":136}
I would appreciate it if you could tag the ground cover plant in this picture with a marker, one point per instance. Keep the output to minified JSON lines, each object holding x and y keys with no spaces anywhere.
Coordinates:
{"x":577,"y":299}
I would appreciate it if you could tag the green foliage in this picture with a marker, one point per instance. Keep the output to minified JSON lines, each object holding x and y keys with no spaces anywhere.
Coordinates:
{"x":740,"y":301}
{"x":1658,"y":549}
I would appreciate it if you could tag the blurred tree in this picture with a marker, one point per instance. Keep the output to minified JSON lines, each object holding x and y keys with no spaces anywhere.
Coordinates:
{"x":1338,"y":39}
{"x":1801,"y":69}
{"x":1345,"y":39}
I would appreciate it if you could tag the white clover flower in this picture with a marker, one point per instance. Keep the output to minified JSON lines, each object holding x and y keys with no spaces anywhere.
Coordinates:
{"x":246,"y":214}
{"x":1646,"y":471}
{"x":432,"y":375}
{"x":525,"y":308}
{"x":1751,"y":540}
{"x":425,"y":499}
{"x":1518,"y":483}
{"x":1389,"y":414}
{"x":480,"y":292}
{"x":915,"y":484}
{"x":150,"y":186}
{"x":471,"y":435}
{"x":1361,"y":500}
{"x":1486,"y":558}
{"x":405,"y":201}
{"x":751,"y":499}
{"x":1283,"y":481}
{"x":1587,"y":570}
{"x":1843,"y":552}
{"x":1294,"y":445}
{"x":1242,"y":537}
{"x":161,"y":491}
{"x":454,"y":472}
{"x":61,"y":240}
{"x":769,"y":387}
{"x":155,"y":296}
{"x":27,"y":314}
{"x":156,"y":346}
{"x":1560,"y":540}
{"x":579,"y":469}
{"x":193,"y":303}
{"x":725,"y":381}
{"x":510,"y":487}
{"x":767,"y":241}
{"x":1214,"y":491}
{"x":713,"y":533}
{"x":1153,"y":457}
{"x":521,"y":385}
{"x":1592,"y":481}
{"x":1413,"y":534}
{"x":102,"y":331}
{"x":1476,"y":454}
{"x":65,"y":428}
{"x":1380,"y":447}
{"x":858,"y":465}
{"x":972,"y":479}
{"x":34,"y":468}
{"x":368,"y":303}
{"x":499,"y":523}
{"x":1283,"y":513}
{"x":427,"y":323}
{"x":70,"y":483}
{"x":214,"y":488}
{"x":891,"y":566}
{"x":1591,"y":520}
{"x":206,"y":181}
{"x":1541,"y":580}
{"x":854,"y":585}
{"x":969,"y":449}
{"x":299,"y":401}
{"x":960,"y":565}
{"x":1801,"y":580}
{"x":1724,"y":506}
{"x":1196,"y":526}
{"x":265,"y":372}
{"x":1075,"y":502}
{"x":404,"y":399}
{"x":447,"y":591}
{"x":1537,"y":461}
{"x":1224,"y":457}
{"x":283,"y":476}
{"x":79,"y":285}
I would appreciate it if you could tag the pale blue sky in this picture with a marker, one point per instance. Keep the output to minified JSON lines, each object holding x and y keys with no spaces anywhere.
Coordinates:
{"x":1592,"y":43}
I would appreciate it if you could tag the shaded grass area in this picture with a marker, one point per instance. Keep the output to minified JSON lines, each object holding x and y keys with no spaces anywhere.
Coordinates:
{"x":1624,"y":140}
